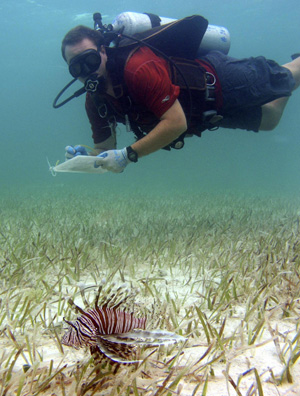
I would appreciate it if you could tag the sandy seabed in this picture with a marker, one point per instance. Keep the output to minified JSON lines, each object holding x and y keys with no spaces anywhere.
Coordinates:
{"x":222,"y":272}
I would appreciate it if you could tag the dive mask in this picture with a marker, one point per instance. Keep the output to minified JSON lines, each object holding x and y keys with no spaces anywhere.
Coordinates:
{"x":85,"y":63}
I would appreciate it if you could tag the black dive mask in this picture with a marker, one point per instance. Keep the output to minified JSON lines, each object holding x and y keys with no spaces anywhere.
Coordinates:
{"x":85,"y":63}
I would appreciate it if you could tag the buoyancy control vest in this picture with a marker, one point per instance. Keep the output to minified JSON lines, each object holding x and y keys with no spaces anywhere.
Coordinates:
{"x":179,"y":42}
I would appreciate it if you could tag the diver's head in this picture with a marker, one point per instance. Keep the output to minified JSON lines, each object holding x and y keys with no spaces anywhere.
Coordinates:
{"x":84,"y":51}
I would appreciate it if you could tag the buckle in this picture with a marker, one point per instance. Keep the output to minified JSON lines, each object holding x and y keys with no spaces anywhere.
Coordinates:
{"x":211,"y":119}
{"x":91,"y":85}
{"x":210,"y":79}
{"x":102,"y":110}
{"x":210,"y":94}
{"x":210,"y":87}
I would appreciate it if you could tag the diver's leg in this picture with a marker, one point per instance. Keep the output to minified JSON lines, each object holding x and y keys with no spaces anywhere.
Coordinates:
{"x":272,"y":111}
{"x":294,"y":68}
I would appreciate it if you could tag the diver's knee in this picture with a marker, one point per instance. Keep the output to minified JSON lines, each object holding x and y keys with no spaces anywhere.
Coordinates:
{"x":268,"y":125}
{"x":270,"y":118}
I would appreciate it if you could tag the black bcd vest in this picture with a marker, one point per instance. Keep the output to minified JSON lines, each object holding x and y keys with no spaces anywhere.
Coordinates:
{"x":184,"y":72}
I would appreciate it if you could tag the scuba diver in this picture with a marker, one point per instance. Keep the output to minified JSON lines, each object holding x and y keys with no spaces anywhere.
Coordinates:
{"x":163,"y":98}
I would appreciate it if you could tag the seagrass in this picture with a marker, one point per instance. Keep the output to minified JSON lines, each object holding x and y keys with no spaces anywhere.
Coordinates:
{"x":221,"y":271}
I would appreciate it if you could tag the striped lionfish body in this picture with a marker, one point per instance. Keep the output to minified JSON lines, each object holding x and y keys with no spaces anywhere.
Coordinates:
{"x":103,"y":321}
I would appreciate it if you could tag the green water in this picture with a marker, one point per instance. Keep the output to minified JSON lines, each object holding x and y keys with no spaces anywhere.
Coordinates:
{"x":32,"y":73}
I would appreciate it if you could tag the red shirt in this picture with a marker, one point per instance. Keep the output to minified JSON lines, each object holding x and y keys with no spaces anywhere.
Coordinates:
{"x":147,"y":79}
{"x":149,"y":84}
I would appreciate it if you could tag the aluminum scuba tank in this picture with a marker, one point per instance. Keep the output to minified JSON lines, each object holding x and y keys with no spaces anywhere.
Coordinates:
{"x":215,"y":37}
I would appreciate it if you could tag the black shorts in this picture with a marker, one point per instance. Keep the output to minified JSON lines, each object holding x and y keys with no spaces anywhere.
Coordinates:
{"x":247,"y":84}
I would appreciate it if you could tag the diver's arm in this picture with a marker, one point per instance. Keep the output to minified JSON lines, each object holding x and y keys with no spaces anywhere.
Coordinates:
{"x":172,"y":124}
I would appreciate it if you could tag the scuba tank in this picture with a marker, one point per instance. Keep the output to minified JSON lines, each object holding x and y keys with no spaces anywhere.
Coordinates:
{"x":215,"y":37}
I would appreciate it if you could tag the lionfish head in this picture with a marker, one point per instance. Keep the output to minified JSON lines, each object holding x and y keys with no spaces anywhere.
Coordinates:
{"x":79,"y":335}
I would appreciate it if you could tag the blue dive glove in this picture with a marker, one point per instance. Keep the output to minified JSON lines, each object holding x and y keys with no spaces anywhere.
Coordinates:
{"x":71,"y":151}
{"x":113,"y":160}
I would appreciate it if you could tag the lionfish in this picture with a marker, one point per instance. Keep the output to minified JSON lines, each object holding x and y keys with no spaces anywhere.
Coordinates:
{"x":114,"y":334}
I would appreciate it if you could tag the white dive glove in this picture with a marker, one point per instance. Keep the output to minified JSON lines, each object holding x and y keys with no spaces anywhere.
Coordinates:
{"x":116,"y":160}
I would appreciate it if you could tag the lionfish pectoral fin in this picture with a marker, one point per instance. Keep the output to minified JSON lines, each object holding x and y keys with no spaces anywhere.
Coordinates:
{"x":149,"y":338}
{"x":117,"y":352}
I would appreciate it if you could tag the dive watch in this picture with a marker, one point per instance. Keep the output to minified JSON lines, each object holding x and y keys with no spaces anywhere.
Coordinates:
{"x":131,"y":154}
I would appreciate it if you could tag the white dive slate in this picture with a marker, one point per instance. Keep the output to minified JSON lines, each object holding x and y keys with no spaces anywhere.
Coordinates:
{"x":79,"y":164}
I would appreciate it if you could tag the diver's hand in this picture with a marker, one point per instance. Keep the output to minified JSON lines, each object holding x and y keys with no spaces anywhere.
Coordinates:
{"x":113,"y":160}
{"x":71,"y":151}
